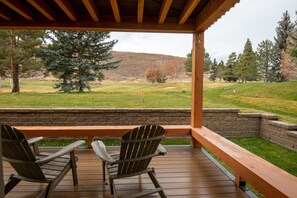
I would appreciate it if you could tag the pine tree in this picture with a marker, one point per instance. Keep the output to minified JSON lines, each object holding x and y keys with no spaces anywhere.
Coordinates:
{"x":264,"y":57}
{"x":221,"y":70}
{"x":293,"y":51}
{"x":17,"y":53}
{"x":206,"y":66}
{"x":78,"y":57}
{"x":188,"y":63}
{"x":213,"y":70}
{"x":207,"y":62}
{"x":284,"y":29}
{"x":275,"y":74}
{"x":246,"y":69}
{"x":229,"y":74}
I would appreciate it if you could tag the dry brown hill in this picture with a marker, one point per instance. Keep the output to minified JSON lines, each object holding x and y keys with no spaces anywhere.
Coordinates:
{"x":133,"y":65}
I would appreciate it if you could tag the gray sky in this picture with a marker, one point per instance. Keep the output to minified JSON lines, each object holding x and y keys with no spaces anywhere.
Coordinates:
{"x":253,"y":19}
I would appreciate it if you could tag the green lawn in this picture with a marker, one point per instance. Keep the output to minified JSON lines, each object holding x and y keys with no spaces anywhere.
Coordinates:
{"x":278,"y":98}
{"x":273,"y":153}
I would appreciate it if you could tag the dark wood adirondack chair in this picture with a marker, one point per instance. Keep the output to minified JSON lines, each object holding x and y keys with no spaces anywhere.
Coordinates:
{"x":137,"y":149}
{"x":33,"y":166}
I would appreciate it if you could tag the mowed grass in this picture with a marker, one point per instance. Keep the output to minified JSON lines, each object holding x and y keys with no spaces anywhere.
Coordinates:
{"x":273,"y":153}
{"x":277,"y":98}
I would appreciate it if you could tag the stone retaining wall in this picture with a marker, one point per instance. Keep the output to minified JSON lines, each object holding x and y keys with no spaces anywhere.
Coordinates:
{"x":226,"y":122}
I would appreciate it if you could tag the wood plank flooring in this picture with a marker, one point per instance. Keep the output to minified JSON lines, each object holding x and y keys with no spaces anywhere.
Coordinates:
{"x":182,"y":172}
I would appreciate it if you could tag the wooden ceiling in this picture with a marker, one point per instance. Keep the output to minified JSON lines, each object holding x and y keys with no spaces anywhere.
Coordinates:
{"x":184,"y":16}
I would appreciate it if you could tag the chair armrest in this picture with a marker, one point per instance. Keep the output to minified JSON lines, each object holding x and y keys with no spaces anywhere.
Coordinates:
{"x":100,"y":150}
{"x":34,"y":140}
{"x":161,"y":150}
{"x":65,"y":150}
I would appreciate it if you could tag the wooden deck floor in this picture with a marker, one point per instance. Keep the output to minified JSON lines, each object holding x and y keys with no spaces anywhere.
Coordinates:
{"x":183,"y":172}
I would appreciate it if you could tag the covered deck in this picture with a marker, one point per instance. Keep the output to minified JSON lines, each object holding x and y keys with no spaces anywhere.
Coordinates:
{"x":183,"y":172}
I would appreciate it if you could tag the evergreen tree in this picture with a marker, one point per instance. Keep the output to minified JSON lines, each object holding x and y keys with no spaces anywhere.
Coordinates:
{"x":246,"y":68}
{"x":188,"y":63}
{"x":206,"y":66}
{"x":17,"y":53}
{"x":275,"y":74}
{"x":284,"y":29}
{"x":293,"y":51}
{"x":213,"y":70}
{"x":207,"y":62}
{"x":221,"y":70}
{"x":229,"y":74}
{"x":78,"y":57}
{"x":264,"y":57}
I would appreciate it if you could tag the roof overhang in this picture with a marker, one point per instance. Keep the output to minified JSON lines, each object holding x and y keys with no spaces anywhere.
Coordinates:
{"x":169,"y":16}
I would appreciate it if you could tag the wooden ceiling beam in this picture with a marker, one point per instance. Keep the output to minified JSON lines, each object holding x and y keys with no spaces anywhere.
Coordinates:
{"x":140,"y":8}
{"x":213,"y":10}
{"x":116,"y":10}
{"x":66,"y":6}
{"x":106,"y":24}
{"x":164,"y":10}
{"x":187,"y":11}
{"x":20,"y":8}
{"x":5,"y":14}
{"x":43,"y":8}
{"x":92,"y":9}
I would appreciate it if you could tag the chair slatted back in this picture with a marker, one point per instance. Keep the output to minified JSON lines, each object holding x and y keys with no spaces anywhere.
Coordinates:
{"x":18,"y":153}
{"x":138,"y":147}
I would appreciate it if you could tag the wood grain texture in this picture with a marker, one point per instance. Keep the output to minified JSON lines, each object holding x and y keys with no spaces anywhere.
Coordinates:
{"x":183,"y":172}
{"x":43,"y":8}
{"x":265,"y":177}
{"x":164,"y":10}
{"x":197,"y":79}
{"x":20,"y":8}
{"x":168,"y":16}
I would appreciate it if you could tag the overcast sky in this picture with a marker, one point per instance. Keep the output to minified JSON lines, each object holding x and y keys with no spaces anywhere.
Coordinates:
{"x":253,"y":19}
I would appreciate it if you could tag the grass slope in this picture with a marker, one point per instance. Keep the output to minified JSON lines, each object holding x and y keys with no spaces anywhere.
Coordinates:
{"x":278,"y":98}
{"x":273,"y":153}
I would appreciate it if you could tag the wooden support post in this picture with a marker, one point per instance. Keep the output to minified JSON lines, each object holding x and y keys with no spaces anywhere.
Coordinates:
{"x":89,"y":141}
{"x":239,"y":181}
{"x":197,"y":83}
{"x":1,"y":170}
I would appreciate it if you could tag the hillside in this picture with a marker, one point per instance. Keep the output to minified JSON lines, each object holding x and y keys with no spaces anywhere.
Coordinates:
{"x":133,"y":65}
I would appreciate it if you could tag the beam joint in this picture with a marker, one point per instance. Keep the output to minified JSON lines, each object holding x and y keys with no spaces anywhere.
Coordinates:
{"x":187,"y":11}
{"x":164,"y":10}
{"x":68,"y":9}
{"x":92,"y":9}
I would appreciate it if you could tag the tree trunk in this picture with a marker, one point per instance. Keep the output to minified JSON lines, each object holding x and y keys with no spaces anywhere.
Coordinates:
{"x":14,"y":67}
{"x":15,"y":76}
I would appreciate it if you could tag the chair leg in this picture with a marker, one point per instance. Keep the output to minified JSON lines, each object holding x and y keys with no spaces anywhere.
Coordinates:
{"x":12,"y":182}
{"x":156,"y":183}
{"x":114,"y":192}
{"x":46,"y":191}
{"x":111,"y":186}
{"x":103,"y":172}
{"x":73,"y":168}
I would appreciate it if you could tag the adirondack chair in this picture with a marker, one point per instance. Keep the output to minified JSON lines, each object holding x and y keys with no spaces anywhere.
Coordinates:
{"x":138,"y":146}
{"x":33,"y":166}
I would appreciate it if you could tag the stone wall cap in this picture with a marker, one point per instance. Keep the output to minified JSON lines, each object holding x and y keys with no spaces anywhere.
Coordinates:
{"x":206,"y":110}
{"x":269,"y":116}
{"x":223,"y":110}
{"x":285,"y":125}
{"x":250,"y":115}
{"x":292,"y":133}
{"x":25,"y":110}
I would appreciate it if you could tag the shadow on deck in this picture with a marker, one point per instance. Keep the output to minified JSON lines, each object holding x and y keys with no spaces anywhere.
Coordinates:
{"x":182,"y":172}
